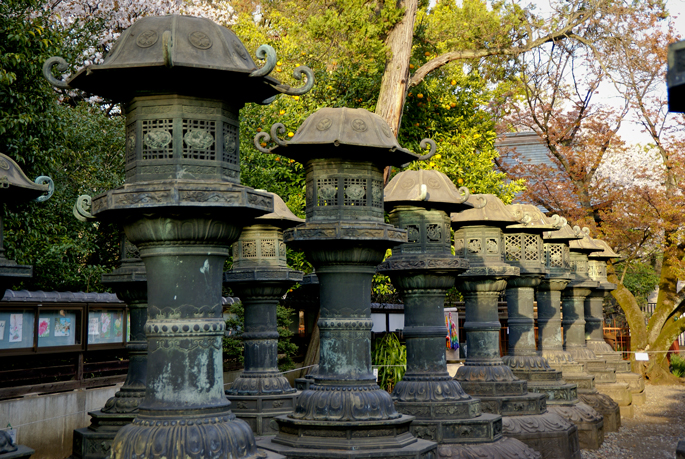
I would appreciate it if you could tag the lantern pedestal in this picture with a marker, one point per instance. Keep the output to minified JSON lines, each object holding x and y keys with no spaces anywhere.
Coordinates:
{"x":484,"y":375}
{"x":444,"y":412}
{"x":523,"y":359}
{"x":344,"y":414}
{"x":183,"y":231}
{"x":573,"y":299}
{"x":95,"y":441}
{"x":594,"y":322}
{"x":261,"y":392}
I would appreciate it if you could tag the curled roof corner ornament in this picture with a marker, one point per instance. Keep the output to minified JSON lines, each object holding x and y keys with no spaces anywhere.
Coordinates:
{"x":465,"y":193}
{"x":422,"y":194}
{"x":297,"y":74}
{"x":586,"y":231}
{"x":62,"y":66}
{"x":268,"y":53}
{"x":266,"y":138}
{"x":558,"y":221}
{"x":521,"y":216}
{"x":45,"y":180}
{"x":80,"y":211}
{"x":424,"y":143}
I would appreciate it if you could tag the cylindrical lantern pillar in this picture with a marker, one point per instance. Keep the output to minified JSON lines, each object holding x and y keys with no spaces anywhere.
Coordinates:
{"x":260,"y":277}
{"x":573,"y":307}
{"x":478,"y":237}
{"x":343,"y":413}
{"x":524,"y":248}
{"x":550,"y":343}
{"x":594,"y":323}
{"x":423,"y":270}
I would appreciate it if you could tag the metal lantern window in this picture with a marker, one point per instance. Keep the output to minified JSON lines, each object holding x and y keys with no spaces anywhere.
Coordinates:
{"x":181,"y":137}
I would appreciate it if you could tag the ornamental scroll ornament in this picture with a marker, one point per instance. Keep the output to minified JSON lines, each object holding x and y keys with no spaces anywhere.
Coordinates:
{"x":268,"y":53}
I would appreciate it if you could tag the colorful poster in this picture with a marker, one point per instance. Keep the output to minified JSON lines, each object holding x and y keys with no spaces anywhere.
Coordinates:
{"x":43,"y":327}
{"x":118,"y":328}
{"x":16,"y":327}
{"x":106,"y":324}
{"x":63,"y":326}
{"x":93,"y":326}
{"x":2,"y":330}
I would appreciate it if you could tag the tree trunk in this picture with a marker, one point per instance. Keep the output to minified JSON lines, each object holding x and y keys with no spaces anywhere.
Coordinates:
{"x":666,"y":300}
{"x":394,"y":84}
{"x":634,"y":316}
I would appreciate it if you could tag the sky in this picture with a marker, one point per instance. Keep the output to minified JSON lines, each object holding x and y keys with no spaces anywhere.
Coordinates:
{"x":630,"y":132}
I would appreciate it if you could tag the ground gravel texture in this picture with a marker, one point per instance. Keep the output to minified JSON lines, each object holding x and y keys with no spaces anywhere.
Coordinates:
{"x":653,"y":433}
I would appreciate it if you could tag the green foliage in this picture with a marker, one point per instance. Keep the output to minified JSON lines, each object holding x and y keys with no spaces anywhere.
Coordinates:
{"x":641,"y":279}
{"x":391,"y":357}
{"x":677,"y":365}
{"x":233,"y":345}
{"x":80,"y":147}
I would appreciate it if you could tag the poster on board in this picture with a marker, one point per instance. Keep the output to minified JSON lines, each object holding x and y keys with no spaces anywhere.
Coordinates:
{"x":16,"y":327}
{"x":43,"y":327}
{"x":63,"y":326}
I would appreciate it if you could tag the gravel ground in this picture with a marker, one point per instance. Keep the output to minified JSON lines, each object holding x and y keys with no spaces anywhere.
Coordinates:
{"x":653,"y":433}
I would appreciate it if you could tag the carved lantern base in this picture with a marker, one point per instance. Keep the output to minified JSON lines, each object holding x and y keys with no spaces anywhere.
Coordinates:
{"x":485,"y":376}
{"x":527,"y":364}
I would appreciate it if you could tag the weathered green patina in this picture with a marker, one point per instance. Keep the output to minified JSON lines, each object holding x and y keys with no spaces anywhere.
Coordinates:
{"x":182,"y":81}
{"x":260,"y":277}
{"x":479,"y":238}
{"x":423,"y":270}
{"x":524,"y":248}
{"x":343,"y":413}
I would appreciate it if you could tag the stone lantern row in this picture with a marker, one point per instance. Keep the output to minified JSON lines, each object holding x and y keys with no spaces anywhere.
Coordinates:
{"x":182,"y":82}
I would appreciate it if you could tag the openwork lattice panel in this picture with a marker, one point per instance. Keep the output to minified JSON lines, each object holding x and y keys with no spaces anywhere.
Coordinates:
{"x":434,"y":232}
{"x":512,"y":247}
{"x":413,"y":233}
{"x":158,"y":139}
{"x":268,"y":247}
{"x":249,"y":249}
{"x":492,"y":245}
{"x":327,"y":191}
{"x":231,"y":150}
{"x":199,"y":139}
{"x":377,"y":193}
{"x":355,"y":192}
{"x":532,"y":247}
{"x":475,"y":246}
{"x":555,"y":256}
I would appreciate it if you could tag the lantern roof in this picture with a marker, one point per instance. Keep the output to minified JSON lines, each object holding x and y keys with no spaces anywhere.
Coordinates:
{"x":425,"y":188}
{"x":564,"y":234}
{"x":16,"y":187}
{"x":584,"y":244}
{"x":176,"y":54}
{"x":607,"y":253}
{"x":281,"y":216}
{"x":530,"y":218}
{"x":357,"y":135}
{"x":487,"y":209}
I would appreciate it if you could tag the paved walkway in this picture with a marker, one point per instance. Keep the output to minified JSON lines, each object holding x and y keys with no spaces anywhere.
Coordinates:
{"x":653,"y":433}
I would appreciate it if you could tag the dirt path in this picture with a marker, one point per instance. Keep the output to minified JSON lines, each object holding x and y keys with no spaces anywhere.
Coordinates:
{"x":653,"y":433}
